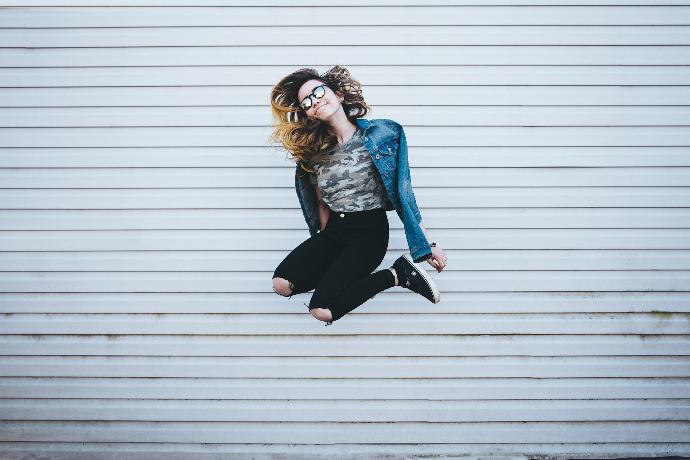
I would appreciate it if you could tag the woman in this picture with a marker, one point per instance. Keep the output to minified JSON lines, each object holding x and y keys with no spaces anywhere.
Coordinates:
{"x":349,"y":172}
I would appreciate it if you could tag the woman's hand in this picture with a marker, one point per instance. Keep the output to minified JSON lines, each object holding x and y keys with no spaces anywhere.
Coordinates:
{"x":438,"y":258}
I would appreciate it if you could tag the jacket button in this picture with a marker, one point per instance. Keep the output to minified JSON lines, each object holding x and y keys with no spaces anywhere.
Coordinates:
{"x":378,"y":156}
{"x":342,"y":215}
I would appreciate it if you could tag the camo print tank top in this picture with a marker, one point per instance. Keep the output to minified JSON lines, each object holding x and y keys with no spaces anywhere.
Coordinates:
{"x":348,"y":177}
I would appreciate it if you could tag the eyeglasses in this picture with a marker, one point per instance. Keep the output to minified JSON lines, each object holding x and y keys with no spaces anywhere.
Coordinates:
{"x":318,"y":93}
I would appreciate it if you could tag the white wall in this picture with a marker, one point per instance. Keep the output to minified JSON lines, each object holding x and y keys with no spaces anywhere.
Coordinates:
{"x":143,"y":212}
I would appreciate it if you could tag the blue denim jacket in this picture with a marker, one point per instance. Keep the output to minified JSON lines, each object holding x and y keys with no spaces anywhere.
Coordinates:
{"x":385,"y":141}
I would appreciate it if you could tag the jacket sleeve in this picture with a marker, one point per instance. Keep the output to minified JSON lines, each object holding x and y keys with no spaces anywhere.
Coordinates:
{"x":420,"y":249}
{"x":404,"y":163}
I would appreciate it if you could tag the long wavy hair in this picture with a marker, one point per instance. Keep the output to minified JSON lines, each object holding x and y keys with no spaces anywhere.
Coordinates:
{"x":302,"y":136}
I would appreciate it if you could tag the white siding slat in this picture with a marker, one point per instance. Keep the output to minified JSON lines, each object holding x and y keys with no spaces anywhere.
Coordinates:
{"x":339,"y":15}
{"x":346,"y":411}
{"x":36,"y":178}
{"x":181,"y":74}
{"x":256,"y":116}
{"x":204,"y":451}
{"x":264,"y":156}
{"x":348,"y":34}
{"x":358,"y":55}
{"x":420,"y":322}
{"x":440,"y":345}
{"x":475,"y":388}
{"x":394,"y":301}
{"x":345,"y":432}
{"x":347,"y":367}
{"x":285,"y":198}
{"x":251,"y":99}
{"x":239,"y":260}
{"x":188,"y":451}
{"x":238,"y":219}
{"x":284,"y":240}
{"x":331,"y":3}
{"x":441,"y":136}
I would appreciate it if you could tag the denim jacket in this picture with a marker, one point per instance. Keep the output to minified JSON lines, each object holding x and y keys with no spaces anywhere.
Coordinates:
{"x":385,"y":141}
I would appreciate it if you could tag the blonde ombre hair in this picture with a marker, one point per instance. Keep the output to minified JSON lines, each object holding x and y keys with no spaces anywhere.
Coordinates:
{"x":302,"y":136}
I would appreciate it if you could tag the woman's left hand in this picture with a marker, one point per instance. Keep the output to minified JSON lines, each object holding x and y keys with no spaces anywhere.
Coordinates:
{"x":438,"y":258}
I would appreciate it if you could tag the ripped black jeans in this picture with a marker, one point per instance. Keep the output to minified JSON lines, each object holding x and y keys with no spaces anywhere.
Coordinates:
{"x":338,"y":262}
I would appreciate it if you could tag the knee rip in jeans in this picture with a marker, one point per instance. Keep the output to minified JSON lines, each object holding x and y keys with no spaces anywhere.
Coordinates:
{"x":290,"y":284}
{"x":318,"y":314}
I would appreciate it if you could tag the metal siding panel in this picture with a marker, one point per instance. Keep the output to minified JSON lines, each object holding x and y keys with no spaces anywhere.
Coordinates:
{"x":404,"y":411}
{"x":557,"y":344}
{"x":352,"y":34}
{"x":302,"y":388}
{"x":392,"y":99}
{"x":345,"y":432}
{"x":265,"y":219}
{"x":87,"y":178}
{"x":550,"y":116}
{"x":139,"y":229}
{"x":250,"y":199}
{"x":211,"y":80}
{"x":338,"y":15}
{"x":428,"y":136}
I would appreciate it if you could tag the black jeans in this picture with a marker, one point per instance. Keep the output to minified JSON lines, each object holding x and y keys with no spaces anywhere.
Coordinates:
{"x":338,"y":262}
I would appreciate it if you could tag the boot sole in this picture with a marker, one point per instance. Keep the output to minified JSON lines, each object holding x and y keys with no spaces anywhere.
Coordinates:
{"x":427,"y":278}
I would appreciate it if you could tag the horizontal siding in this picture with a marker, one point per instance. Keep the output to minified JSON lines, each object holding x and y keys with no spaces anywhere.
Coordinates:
{"x":405,"y":15}
{"x":444,"y":98}
{"x":652,"y":302}
{"x":214,"y":81}
{"x":660,"y":322}
{"x":184,"y":451}
{"x":279,"y":198}
{"x":557,"y":343}
{"x":142,"y":212}
{"x":351,"y":367}
{"x":534,"y":219}
{"x":331,"y":3}
{"x":324,"y":432}
{"x":86,"y":178}
{"x":456,"y":281}
{"x":514,"y":389}
{"x":580,"y":116}
{"x":344,"y":410}
{"x":431,"y":31}
{"x":431,"y":136}
{"x":438,"y":55}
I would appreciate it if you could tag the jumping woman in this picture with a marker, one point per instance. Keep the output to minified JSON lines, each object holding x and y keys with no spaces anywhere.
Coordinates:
{"x":349,"y":172}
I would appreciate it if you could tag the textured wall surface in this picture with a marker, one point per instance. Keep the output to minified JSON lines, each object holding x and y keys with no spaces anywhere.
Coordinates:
{"x":143,"y":210}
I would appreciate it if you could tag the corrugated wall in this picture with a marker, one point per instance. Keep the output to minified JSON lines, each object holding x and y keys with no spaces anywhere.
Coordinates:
{"x":143,"y":212}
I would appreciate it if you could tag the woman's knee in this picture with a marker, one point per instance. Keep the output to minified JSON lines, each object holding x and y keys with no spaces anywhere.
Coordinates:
{"x":282,"y":286}
{"x":322,"y":314}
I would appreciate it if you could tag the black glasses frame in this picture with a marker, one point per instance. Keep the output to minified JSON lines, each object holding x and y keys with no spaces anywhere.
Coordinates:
{"x":308,"y":98}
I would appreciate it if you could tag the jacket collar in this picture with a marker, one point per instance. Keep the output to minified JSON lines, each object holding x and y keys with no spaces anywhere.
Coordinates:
{"x":363,"y":123}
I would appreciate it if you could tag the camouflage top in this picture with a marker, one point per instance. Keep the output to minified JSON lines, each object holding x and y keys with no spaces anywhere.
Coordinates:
{"x":348,"y":178}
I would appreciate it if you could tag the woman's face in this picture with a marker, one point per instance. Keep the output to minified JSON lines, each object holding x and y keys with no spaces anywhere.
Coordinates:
{"x":323,"y":108}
